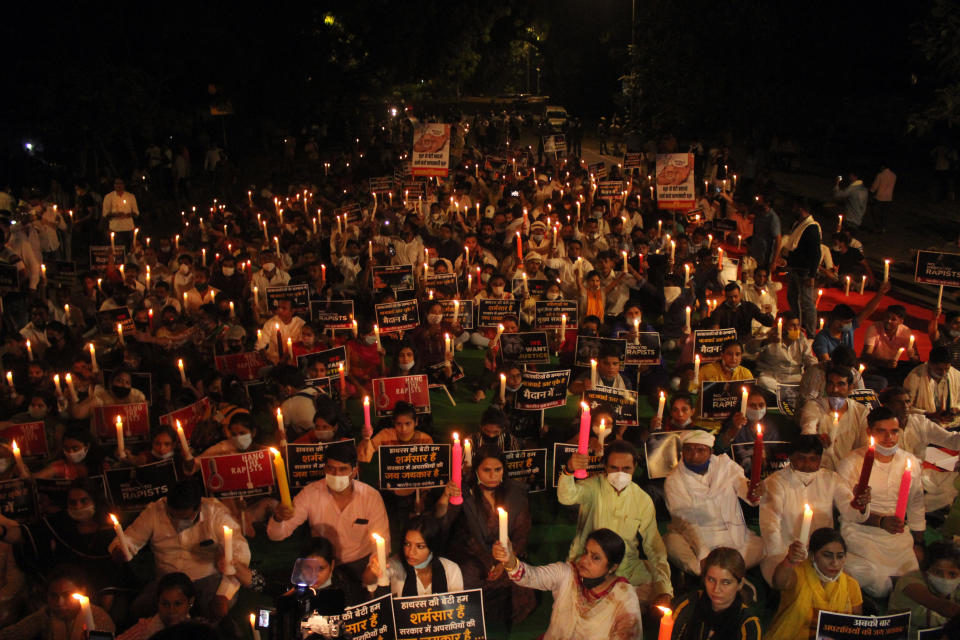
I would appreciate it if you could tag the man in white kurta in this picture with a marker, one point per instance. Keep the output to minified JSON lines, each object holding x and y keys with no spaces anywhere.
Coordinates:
{"x":882,"y":547}
{"x":934,"y":387}
{"x":841,"y":423}
{"x":703,"y":497}
{"x":918,"y":433}
{"x":787,"y":492}
{"x":289,"y":327}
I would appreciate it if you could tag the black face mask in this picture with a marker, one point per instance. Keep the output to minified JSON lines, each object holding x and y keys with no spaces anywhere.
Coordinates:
{"x":592,"y":583}
{"x":120,"y":392}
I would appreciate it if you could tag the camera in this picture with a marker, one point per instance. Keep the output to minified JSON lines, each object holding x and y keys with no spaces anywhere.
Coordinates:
{"x":304,"y":613}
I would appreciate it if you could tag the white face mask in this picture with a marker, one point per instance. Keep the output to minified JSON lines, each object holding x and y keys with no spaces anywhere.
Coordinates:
{"x":164,"y":456}
{"x":405,"y":366}
{"x":943,"y":586}
{"x":228,"y":271}
{"x":338,"y":484}
{"x":435,"y":318}
{"x":370,"y":339}
{"x":83,"y":513}
{"x":887,"y":451}
{"x":756,"y":415}
{"x":824,"y":577}
{"x":76,"y":456}
{"x":269,"y":267}
{"x":243,"y":441}
{"x":619,"y":480}
{"x":553,"y":296}
{"x":324,"y":435}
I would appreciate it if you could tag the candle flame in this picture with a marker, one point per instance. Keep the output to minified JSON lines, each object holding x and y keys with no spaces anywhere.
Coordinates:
{"x":456,"y":437}
{"x":274,"y":451}
{"x":908,"y":464}
{"x":872,"y":444}
{"x":226,"y":528}
{"x":16,"y":449}
{"x":759,"y":429}
{"x":501,"y":510}
{"x":114,"y":519}
{"x":79,"y":597}
{"x":377,"y":537}
{"x":366,"y":402}
{"x":666,"y":611}
{"x":807,"y":509}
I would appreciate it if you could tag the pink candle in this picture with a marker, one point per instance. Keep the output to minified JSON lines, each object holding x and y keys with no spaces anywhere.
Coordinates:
{"x":584,"y":441}
{"x":367,"y":427}
{"x":456,"y":471}
{"x":904,"y":493}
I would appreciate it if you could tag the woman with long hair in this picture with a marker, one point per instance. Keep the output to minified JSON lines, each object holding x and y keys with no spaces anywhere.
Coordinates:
{"x":418,"y":570}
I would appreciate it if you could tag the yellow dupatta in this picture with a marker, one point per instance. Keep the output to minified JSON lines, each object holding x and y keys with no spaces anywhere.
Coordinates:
{"x":796,"y":617}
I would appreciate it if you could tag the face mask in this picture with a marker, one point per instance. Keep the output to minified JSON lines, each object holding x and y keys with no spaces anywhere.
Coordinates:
{"x":592,"y":583}
{"x":164,"y":456}
{"x":324,"y":435}
{"x":537,"y":237}
{"x":4,"y":464}
{"x":822,"y":576}
{"x":405,"y":366}
{"x":434,"y":318}
{"x":488,"y":487}
{"x":756,"y":415}
{"x":228,"y":271}
{"x":497,"y":291}
{"x":553,"y":296}
{"x":836,"y":403}
{"x":698,"y":468}
{"x":338,"y":483}
{"x":511,"y":389}
{"x":37,"y":414}
{"x":484,"y":278}
{"x":425,"y":563}
{"x":83,"y":513}
{"x":76,"y":456}
{"x":370,"y":339}
{"x":243,"y":441}
{"x":120,"y":392}
{"x":887,"y":451}
{"x":943,"y":586}
{"x":184,"y":269}
{"x":619,"y":480}
{"x":793,"y":334}
{"x":269,"y":267}
{"x":806,"y":477}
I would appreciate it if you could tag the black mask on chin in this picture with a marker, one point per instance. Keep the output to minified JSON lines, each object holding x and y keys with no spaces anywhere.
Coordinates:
{"x":120,"y":392}
{"x":592,"y":583}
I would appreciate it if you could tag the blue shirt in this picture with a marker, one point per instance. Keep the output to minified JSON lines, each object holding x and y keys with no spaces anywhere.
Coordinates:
{"x":824,"y":343}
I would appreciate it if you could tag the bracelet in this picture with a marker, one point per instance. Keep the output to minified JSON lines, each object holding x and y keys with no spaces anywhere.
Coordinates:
{"x":516,"y":563}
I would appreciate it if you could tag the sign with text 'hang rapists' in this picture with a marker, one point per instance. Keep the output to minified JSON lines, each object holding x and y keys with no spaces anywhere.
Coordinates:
{"x":387,"y":392}
{"x":136,"y":423}
{"x":246,"y":366}
{"x":238,"y":475}
{"x":189,"y":416}
{"x":31,"y":438}
{"x":417,"y":466}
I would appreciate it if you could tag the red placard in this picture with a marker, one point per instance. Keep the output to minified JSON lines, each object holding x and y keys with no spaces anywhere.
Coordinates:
{"x":189,"y":416}
{"x":30,"y":436}
{"x":136,"y":423}
{"x":238,"y":474}
{"x":245,"y":366}
{"x":387,"y":392}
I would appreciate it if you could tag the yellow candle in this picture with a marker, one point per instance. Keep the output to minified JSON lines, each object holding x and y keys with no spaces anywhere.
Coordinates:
{"x":282,"y":484}
{"x":183,"y":373}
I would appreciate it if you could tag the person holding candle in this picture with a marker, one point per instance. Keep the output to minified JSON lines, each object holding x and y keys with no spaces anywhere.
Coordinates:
{"x":164,"y":443}
{"x":590,"y":600}
{"x":726,"y":369}
{"x":366,"y":361}
{"x":608,"y":373}
{"x":329,"y":424}
{"x":889,"y":542}
{"x":495,"y":289}
{"x":493,"y":361}
{"x":119,"y":210}
{"x":474,"y":525}
{"x":428,"y":341}
{"x":803,"y":483}
{"x":200,"y":293}
{"x":613,"y":501}
{"x":176,"y":595}
{"x":847,"y":256}
{"x":811,"y":579}
{"x":840,"y":422}
{"x":338,"y":507}
{"x":740,"y":428}
{"x":881,"y":349}
{"x":934,"y":387}
{"x":739,"y":313}
{"x":783,"y":359}
{"x":41,"y":407}
{"x":184,"y":521}
{"x":78,"y":457}
{"x":119,"y":391}
{"x":841,"y":323}
{"x":702,"y":496}
{"x":61,"y":617}
{"x":680,"y":413}
{"x":282,"y":325}
{"x":36,"y":330}
{"x":269,"y":275}
{"x":418,"y":570}
{"x":931,"y":595}
{"x":720,"y":610}
{"x":182,"y":280}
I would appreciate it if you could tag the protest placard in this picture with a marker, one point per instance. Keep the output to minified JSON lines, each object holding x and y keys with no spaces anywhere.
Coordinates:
{"x":329,"y":386}
{"x":65,"y":273}
{"x":332,"y":314}
{"x":841,"y":626}
{"x":450,"y":616}
{"x":788,"y":399}
{"x":401,"y":315}
{"x":416,"y":466}
{"x":530,"y":347}
{"x":17,"y":500}
{"x":938,"y":268}
{"x":387,"y":392}
{"x":297,"y":294}
{"x":108,"y":319}
{"x":398,"y":277}
{"x":492,"y":312}
{"x":381,"y":184}
{"x":529,"y":467}
{"x":529,"y":288}
{"x":646,"y":350}
{"x":589,"y":348}
{"x":632,"y":161}
{"x":597,"y":170}
{"x":622,"y":401}
{"x":189,"y":416}
{"x":323,"y":364}
{"x":351,"y":212}
{"x":133,"y":488}
{"x":246,"y":366}
{"x":675,"y":181}
{"x":720,"y":400}
{"x":9,"y":278}
{"x":443,"y":285}
{"x":372,"y":620}
{"x":561,"y":454}
{"x":51,"y":493}
{"x":238,"y":475}
{"x":610,"y":189}
{"x":305,"y":463}
{"x":707,"y":342}
{"x":548,"y":314}
{"x":464,"y":310}
{"x":136,"y":423}
{"x":543,"y":390}
{"x":431,"y":150}
{"x":866,"y":397}
{"x":100,"y":257}
{"x":31,"y":437}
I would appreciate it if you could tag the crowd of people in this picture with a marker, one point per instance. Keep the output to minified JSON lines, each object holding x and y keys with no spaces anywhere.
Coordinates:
{"x":152,"y":302}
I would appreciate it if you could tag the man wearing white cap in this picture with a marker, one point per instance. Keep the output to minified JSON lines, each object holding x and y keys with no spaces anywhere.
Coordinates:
{"x":702,"y":496}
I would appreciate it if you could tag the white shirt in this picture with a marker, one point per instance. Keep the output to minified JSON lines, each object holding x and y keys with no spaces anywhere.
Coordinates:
{"x":885,"y":480}
{"x":850,"y":432}
{"x":298,"y":410}
{"x":260,"y":280}
{"x":268,"y":339}
{"x":398,"y":576}
{"x":114,"y":204}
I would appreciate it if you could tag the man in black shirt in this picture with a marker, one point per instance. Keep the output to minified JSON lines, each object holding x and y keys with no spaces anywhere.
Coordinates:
{"x":738,"y":313}
{"x":803,"y":258}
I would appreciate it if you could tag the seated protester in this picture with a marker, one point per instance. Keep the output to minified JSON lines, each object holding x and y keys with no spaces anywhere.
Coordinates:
{"x":931,"y":595}
{"x":803,"y":482}
{"x":329,"y":424}
{"x":742,"y":429}
{"x":418,"y":570}
{"x":726,"y":369}
{"x":881,"y":346}
{"x":240,"y":435}
{"x":702,"y":495}
{"x":719,"y":610}
{"x":881,"y":547}
{"x":308,"y":342}
{"x":60,"y":618}
{"x":176,"y":595}
{"x":949,"y":334}
{"x":79,"y":457}
{"x":783,"y":361}
{"x":676,"y":300}
{"x":473,"y":524}
{"x":738,"y":313}
{"x":763,"y":293}
{"x":813,"y":581}
{"x":172,"y":331}
{"x":428,"y":340}
{"x":495,"y":289}
{"x":840,"y":422}
{"x":592,"y":298}
{"x":404,"y":431}
{"x":269,"y":275}
{"x":340,"y":508}
{"x":918,"y":433}
{"x":319,"y":570}
{"x":608,"y":373}
{"x":163,"y":446}
{"x":200,"y":293}
{"x":567,"y":267}
{"x":179,"y":529}
{"x":813,"y":382}
{"x":183,"y":278}
{"x":934,"y":387}
{"x":495,"y":431}
{"x":493,"y":359}
{"x":842,"y":322}
{"x":365,"y":361}
{"x":406,"y":363}
{"x":680,"y":412}
{"x":41,"y":407}
{"x":613,"y":501}
{"x":119,"y":391}
{"x":283,"y":323}
{"x":299,"y":401}
{"x":849,"y":259}
{"x":589,"y":599}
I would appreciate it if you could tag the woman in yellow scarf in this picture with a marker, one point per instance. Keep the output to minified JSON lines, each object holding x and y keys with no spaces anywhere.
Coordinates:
{"x":811,"y":583}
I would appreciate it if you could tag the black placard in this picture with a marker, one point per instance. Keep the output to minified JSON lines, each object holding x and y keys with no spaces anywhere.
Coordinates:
{"x":133,"y":488}
{"x":588,"y":348}
{"x":609,"y":189}
{"x":707,"y":342}
{"x":788,"y":399}
{"x":597,"y":170}
{"x":382,"y":184}
{"x":561,"y":454}
{"x":398,"y":316}
{"x":464,"y":310}
{"x":17,"y":500}
{"x":332,"y":314}
{"x":398,"y":277}
{"x":530,"y":347}
{"x":65,"y":273}
{"x":528,"y":466}
{"x":416,"y":466}
{"x":351,"y":213}
{"x":623,"y":401}
{"x":543,"y":390}
{"x":100,"y":257}
{"x":453,"y":616}
{"x":549,"y":314}
{"x":938,"y":268}
{"x":108,"y":319}
{"x":323,"y":364}
{"x":632,"y":160}
{"x":646,"y":352}
{"x":372,"y":620}
{"x":444,"y":284}
{"x":490,"y":313}
{"x":720,"y":400}
{"x":532,"y":288}
{"x":866,"y":397}
{"x":776,"y":456}
{"x":305,"y":463}
{"x":841,"y":626}
{"x":297,"y":294}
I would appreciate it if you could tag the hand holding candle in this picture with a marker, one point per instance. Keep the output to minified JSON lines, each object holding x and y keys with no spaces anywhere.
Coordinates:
{"x":384,"y":579}
{"x":584,"y":437}
{"x":122,"y":539}
{"x":281,"y":472}
{"x":456,"y":468}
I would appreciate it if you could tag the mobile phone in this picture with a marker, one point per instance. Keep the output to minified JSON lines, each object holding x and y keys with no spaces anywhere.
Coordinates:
{"x":263,"y":618}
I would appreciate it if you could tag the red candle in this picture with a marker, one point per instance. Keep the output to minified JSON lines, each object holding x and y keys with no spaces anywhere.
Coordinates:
{"x":757,"y":457}
{"x":519,"y":249}
{"x":456,"y":471}
{"x":584,"y":441}
{"x":865,"y":469}
{"x":901,"y":512}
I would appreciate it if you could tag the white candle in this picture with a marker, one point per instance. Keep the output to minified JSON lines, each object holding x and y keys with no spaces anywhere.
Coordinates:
{"x":896,"y":358}
{"x":673,"y":250}
{"x":688,"y":312}
{"x":846,"y":289}
{"x":686,"y":274}
{"x":660,"y":406}
{"x":602,"y":432}
{"x":504,"y":533}
{"x":183,"y":373}
{"x":593,"y":372}
{"x":256,"y":297}
{"x":58,"y":388}
{"x":743,"y":401}
{"x":93,"y":359}
{"x":73,"y":392}
{"x":447,"y":350}
{"x":290,"y":347}
{"x":468,"y":453}
{"x":696,"y":368}
{"x":253,"y":627}
{"x":353,"y":327}
{"x":183,"y":442}
{"x":120,"y":448}
{"x":376,"y":333}
{"x":122,"y":539}
{"x":228,"y":551}
{"x":886,"y":269}
{"x":18,"y":458}
{"x":636,"y":331}
{"x":805,"y":526}
{"x":496,"y":338}
{"x":563,"y":328}
{"x":120,"y":339}
{"x":779,"y":328}
{"x":863,"y":283}
{"x":85,"y":611}
{"x":113,"y":246}
{"x":940,"y":299}
{"x":624,"y":261}
{"x":384,"y":579}
{"x":503,"y":388}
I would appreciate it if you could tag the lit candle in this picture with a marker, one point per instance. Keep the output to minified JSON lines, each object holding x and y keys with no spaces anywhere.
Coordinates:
{"x":233,"y":311}
{"x":113,"y":246}
{"x":886,"y":269}
{"x":904,"y":494}
{"x":183,"y":373}
{"x":900,"y":351}
{"x":85,"y":611}
{"x":290,"y":347}
{"x":504,"y":534}
{"x":29,"y":351}
{"x":468,"y":452}
{"x":367,"y":426}
{"x":863,"y":283}
{"x":66,"y":314}
{"x":819,"y":295}
{"x":757,"y":457}
{"x":354,"y":327}
{"x":821,"y":324}
{"x":121,"y":450}
{"x":563,"y":328}
{"x":686,"y":274}
{"x":910,"y":346}
{"x":624,"y":261}
{"x":805,"y":525}
{"x":503,"y":388}
{"x":739,"y":240}
{"x":661,"y":404}
{"x":602,"y":432}
{"x":73,"y":392}
{"x":593,"y":372}
{"x":846,"y":288}
{"x":93,"y":358}
{"x":281,"y":470}
{"x":376,"y":333}
{"x":187,"y":455}
{"x":203,"y":257}
{"x":253,"y":627}
{"x":636,"y":331}
{"x":18,"y":457}
{"x":709,"y":240}
{"x":666,"y":624}
{"x":673,"y":250}
{"x":696,"y":368}
{"x":122,"y":538}
{"x":496,"y":339}
{"x":281,"y":430}
{"x":323,"y":274}
{"x":228,"y":551}
{"x":519,"y":249}
{"x":836,"y":421}
{"x":779,"y":329}
{"x":256,"y":297}
{"x":720,"y":258}
{"x":839,"y":222}
{"x":447,"y":350}
{"x":384,"y":579}
{"x":147,"y":279}
{"x":456,"y":467}
{"x":688,"y":311}
{"x":343,"y":383}
{"x":743,"y":401}
{"x":584,"y":439}
{"x":276,"y":243}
